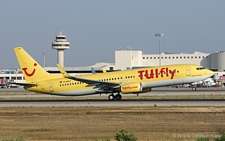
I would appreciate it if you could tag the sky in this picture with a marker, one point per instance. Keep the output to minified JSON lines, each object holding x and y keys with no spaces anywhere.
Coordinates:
{"x":96,"y":28}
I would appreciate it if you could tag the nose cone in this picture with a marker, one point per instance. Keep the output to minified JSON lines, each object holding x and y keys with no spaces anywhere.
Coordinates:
{"x":209,"y":72}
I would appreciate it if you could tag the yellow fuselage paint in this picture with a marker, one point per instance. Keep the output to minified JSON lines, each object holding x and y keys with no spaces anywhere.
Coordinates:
{"x":56,"y":83}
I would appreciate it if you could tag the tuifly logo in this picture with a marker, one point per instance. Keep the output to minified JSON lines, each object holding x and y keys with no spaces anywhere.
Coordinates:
{"x":29,"y":74}
{"x":156,"y":73}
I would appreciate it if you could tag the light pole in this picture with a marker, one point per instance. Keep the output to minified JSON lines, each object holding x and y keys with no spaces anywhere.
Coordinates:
{"x":159,"y":35}
{"x":44,"y":58}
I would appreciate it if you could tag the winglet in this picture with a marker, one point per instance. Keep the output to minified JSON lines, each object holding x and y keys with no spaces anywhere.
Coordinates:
{"x":63,"y":72}
{"x":103,"y":70}
{"x":93,"y":71}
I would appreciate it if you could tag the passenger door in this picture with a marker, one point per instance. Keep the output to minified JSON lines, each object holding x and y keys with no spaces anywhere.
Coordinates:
{"x":188,"y":71}
{"x":51,"y":89}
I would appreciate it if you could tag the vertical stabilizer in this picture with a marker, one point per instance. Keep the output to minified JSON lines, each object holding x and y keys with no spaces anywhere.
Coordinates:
{"x":32,"y":71}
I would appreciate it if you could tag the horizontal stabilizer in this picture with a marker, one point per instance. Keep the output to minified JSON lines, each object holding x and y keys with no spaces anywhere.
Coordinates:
{"x":24,"y":84}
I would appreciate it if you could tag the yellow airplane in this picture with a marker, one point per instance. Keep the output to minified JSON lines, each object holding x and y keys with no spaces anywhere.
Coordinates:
{"x":135,"y":81}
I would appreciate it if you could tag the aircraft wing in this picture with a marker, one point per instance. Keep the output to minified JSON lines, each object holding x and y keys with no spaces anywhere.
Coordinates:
{"x":96,"y":83}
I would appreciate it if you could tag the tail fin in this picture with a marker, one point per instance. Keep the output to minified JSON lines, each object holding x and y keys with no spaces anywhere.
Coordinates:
{"x":32,"y":71}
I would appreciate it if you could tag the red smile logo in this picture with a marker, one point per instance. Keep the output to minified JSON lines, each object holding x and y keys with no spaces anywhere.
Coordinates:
{"x":29,"y":74}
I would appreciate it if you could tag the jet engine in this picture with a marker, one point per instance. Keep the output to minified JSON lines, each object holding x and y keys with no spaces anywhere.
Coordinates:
{"x":133,"y":88}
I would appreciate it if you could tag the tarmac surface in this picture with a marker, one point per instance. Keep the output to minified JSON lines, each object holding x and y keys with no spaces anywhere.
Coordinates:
{"x":124,"y":102}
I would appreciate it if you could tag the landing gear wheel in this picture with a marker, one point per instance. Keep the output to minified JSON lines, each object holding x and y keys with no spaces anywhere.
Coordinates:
{"x":118,"y":97}
{"x":111,"y":97}
{"x":194,"y":89}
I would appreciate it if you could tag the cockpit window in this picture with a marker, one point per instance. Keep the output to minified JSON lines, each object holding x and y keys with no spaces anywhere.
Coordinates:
{"x":202,"y":68}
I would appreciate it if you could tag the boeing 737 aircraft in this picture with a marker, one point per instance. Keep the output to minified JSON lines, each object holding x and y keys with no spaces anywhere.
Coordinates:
{"x":133,"y":81}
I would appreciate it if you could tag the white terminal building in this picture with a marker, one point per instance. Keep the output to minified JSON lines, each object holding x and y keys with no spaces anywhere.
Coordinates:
{"x":127,"y":59}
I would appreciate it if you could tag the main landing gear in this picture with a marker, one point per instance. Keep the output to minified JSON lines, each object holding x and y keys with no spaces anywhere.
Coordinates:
{"x":115,"y":97}
{"x":194,"y":89}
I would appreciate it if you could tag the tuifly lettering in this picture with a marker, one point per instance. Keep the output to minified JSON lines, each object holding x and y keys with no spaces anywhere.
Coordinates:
{"x":129,"y":87}
{"x":156,"y":73}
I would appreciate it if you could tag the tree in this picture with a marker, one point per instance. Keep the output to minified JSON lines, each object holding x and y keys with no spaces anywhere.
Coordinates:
{"x":125,"y":136}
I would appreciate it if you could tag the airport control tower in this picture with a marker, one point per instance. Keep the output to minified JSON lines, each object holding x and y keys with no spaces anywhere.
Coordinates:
{"x":60,"y":44}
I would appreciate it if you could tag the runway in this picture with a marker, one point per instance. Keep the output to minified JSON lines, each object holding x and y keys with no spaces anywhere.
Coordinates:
{"x":97,"y":100}
{"x":98,"y":103}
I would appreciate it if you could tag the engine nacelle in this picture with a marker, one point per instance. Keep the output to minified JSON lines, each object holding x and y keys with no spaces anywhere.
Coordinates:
{"x":133,"y":88}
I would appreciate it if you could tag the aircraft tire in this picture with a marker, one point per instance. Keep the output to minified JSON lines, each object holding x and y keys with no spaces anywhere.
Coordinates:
{"x":118,"y":97}
{"x":194,"y":89}
{"x":111,"y":97}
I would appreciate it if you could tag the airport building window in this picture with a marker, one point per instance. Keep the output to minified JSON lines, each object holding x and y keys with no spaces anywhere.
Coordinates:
{"x":19,"y":78}
{"x":16,"y":78}
{"x":13,"y":78}
{"x":177,"y":57}
{"x":191,"y":57}
{"x":154,"y":57}
{"x":143,"y":57}
{"x":150,"y":57}
{"x":180,"y":57}
{"x":61,"y":45}
{"x":60,"y":38}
